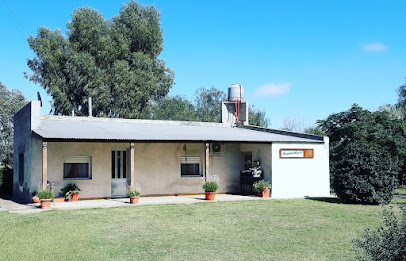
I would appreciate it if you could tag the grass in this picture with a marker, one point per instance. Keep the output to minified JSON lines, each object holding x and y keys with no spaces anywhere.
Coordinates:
{"x":300,"y":229}
{"x":401,"y":191}
{"x":400,"y":195}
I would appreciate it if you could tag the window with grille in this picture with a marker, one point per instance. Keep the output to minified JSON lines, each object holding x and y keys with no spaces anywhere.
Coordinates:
{"x":77,"y":168}
{"x":190,"y":166}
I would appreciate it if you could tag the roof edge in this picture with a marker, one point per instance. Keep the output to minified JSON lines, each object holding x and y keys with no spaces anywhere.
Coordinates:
{"x":284,"y":132}
{"x":124,"y":120}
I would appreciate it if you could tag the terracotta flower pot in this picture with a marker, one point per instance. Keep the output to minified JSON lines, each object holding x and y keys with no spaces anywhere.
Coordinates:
{"x":35,"y":199}
{"x":210,"y":195}
{"x":75,"y":196}
{"x":134,"y":200}
{"x":264,"y":193}
{"x":46,"y":203}
{"x":59,"y":199}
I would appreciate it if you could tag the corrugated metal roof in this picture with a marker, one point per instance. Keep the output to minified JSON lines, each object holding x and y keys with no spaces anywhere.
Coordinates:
{"x":84,"y":128}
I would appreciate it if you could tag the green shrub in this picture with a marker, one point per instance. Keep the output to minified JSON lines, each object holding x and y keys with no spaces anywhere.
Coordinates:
{"x":261,"y":185}
{"x":388,"y":242}
{"x":6,"y":181}
{"x":45,"y":194}
{"x":131,"y":192}
{"x":69,"y":189}
{"x":210,"y":186}
{"x":1,"y":175}
{"x":364,"y":174}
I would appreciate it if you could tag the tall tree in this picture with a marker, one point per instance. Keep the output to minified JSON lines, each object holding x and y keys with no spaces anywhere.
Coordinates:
{"x":207,"y":108}
{"x":257,"y":117}
{"x":174,"y":108}
{"x":402,"y":94}
{"x":208,"y":104}
{"x":294,"y":124}
{"x":10,"y":103}
{"x":114,"y":61}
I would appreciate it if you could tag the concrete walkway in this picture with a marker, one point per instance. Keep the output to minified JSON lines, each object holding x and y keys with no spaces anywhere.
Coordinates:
{"x":14,"y":207}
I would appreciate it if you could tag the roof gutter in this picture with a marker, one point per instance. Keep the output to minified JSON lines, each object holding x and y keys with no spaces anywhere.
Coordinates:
{"x":283,"y":132}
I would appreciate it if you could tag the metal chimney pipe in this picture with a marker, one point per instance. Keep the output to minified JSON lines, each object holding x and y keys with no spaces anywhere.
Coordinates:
{"x":90,"y":106}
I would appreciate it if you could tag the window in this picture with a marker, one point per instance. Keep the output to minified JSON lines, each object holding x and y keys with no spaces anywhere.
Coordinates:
{"x":248,"y":160}
{"x":21,"y":169}
{"x":77,"y":168}
{"x":118,"y":164}
{"x":190,"y":166}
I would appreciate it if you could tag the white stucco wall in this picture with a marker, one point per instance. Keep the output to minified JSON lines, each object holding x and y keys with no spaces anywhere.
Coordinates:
{"x":296,"y":178}
{"x":263,"y":153}
{"x":227,"y":166}
{"x":157,"y":168}
{"x":100,"y":184}
{"x":24,"y":120}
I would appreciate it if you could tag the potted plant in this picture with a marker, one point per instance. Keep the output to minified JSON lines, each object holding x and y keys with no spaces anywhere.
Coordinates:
{"x":45,"y":195}
{"x":71,"y":192}
{"x":210,"y":187}
{"x":35,"y":198}
{"x":263,"y":187}
{"x":134,"y":193}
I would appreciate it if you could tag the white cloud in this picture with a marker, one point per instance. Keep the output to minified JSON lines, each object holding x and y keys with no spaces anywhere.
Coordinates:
{"x":374,"y":47}
{"x":273,"y":89}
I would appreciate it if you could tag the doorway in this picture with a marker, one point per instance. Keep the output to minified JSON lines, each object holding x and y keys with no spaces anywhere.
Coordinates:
{"x":119,"y":173}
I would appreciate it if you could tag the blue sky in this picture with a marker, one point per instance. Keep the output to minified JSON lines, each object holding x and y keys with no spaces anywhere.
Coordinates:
{"x":295,"y":59}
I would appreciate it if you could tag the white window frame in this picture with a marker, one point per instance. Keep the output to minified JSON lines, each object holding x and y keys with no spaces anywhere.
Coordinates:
{"x":77,"y":159}
{"x":191,"y":159}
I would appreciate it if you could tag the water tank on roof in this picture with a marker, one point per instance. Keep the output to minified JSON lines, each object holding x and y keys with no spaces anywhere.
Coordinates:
{"x":235,"y":92}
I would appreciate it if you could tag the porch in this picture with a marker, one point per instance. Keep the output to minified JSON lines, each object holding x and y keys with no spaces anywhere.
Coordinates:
{"x":14,"y":207}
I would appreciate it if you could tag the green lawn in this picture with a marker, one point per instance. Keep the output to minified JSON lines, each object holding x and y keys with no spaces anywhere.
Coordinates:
{"x":300,"y":229}
{"x":401,"y":190}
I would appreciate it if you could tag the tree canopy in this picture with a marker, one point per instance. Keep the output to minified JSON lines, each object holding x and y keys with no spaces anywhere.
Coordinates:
{"x":402,"y":95}
{"x":10,"y":103}
{"x":206,"y":108}
{"x":174,"y":108}
{"x":367,"y":152}
{"x":114,"y":61}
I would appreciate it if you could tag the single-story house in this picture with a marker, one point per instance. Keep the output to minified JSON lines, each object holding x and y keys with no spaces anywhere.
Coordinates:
{"x":105,"y":155}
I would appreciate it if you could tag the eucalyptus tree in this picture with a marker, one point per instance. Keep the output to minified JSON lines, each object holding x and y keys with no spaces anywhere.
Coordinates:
{"x":114,"y":61}
{"x":10,"y":103}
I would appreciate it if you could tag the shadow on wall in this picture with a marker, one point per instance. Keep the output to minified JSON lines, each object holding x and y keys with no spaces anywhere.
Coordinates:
{"x":6,"y":182}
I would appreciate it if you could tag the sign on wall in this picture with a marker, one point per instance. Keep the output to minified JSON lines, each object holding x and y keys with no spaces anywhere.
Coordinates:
{"x":296,"y":153}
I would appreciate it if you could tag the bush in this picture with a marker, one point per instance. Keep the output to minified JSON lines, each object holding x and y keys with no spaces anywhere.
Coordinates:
{"x":388,"y":242}
{"x":261,"y":185}
{"x":45,"y":193}
{"x":6,"y":181}
{"x":365,"y":174}
{"x":1,"y":175}
{"x":132,"y":192}
{"x":69,"y":189}
{"x":210,"y":186}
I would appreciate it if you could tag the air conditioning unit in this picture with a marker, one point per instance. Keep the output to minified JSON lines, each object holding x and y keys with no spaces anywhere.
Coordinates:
{"x":217,"y":149}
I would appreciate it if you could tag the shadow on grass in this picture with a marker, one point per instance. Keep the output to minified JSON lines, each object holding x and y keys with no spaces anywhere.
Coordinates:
{"x":326,"y":199}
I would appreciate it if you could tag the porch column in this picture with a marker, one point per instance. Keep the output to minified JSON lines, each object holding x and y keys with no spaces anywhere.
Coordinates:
{"x":44,"y":164}
{"x":132,"y":176}
{"x":207,"y":163}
